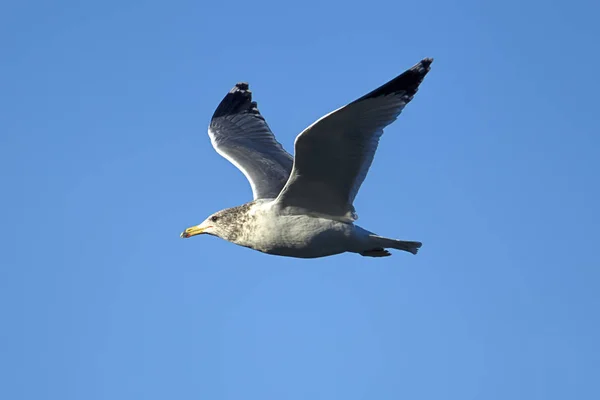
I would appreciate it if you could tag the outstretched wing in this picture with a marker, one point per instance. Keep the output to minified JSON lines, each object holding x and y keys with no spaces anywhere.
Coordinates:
{"x":239,"y":133}
{"x":333,"y":155}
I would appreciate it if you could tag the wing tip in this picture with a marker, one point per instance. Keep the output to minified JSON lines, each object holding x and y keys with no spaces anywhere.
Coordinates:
{"x":423,"y":66}
{"x":427,"y":61}
{"x":406,"y":83}
{"x":238,"y":100}
{"x":242,"y":86}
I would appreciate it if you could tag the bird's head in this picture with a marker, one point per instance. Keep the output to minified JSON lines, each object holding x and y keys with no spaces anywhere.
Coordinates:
{"x":227,"y":224}
{"x":210,"y":226}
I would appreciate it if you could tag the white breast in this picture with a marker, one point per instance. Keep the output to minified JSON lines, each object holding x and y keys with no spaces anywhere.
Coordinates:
{"x":297,"y":235}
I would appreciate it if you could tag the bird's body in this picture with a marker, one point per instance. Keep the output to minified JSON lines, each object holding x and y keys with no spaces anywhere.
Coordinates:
{"x":264,"y":226}
{"x":270,"y":230}
{"x":302,"y":206}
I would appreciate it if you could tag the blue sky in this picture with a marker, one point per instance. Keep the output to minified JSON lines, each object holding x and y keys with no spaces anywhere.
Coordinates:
{"x":104,"y":159}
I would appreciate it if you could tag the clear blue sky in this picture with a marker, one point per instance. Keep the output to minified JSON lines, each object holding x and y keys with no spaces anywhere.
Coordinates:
{"x":105,"y":159}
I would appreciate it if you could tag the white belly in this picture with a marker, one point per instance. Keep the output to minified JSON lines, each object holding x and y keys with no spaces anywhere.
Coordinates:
{"x":301,"y":235}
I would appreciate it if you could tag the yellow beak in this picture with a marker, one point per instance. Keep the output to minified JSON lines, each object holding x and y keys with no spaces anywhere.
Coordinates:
{"x":192,"y":231}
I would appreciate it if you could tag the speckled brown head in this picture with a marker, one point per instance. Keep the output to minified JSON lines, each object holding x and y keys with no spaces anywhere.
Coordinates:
{"x":226,"y":224}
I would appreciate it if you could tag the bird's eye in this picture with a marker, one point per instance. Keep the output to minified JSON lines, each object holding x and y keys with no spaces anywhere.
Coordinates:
{"x":214,"y":218}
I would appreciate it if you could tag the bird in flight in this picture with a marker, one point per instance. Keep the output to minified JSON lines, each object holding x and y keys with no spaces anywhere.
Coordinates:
{"x":302,"y":205}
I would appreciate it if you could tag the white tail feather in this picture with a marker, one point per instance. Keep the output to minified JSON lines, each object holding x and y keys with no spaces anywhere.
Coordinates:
{"x":383,"y":243}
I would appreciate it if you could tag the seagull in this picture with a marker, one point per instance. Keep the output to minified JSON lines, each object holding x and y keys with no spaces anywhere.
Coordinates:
{"x":302,"y":205}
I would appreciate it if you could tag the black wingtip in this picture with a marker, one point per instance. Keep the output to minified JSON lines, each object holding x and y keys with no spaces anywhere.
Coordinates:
{"x":238,"y":100}
{"x":421,"y":68}
{"x":426,"y":62}
{"x":406,"y":83}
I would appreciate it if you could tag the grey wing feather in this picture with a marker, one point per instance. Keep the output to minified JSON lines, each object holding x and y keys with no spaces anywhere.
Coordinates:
{"x":240,"y":134}
{"x":333,"y":155}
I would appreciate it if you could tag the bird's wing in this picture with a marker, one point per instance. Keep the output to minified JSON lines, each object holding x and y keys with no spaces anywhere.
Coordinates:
{"x":333,"y":155}
{"x":239,"y":133}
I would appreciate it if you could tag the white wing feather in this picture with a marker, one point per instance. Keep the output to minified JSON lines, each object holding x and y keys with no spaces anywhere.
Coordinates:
{"x":240,"y":134}
{"x":333,"y":155}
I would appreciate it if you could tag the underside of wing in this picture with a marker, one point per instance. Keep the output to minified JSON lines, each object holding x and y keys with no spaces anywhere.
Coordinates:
{"x":240,"y":134}
{"x":333,"y":155}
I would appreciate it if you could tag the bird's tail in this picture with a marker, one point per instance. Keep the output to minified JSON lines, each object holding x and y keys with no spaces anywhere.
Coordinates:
{"x":380,"y":243}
